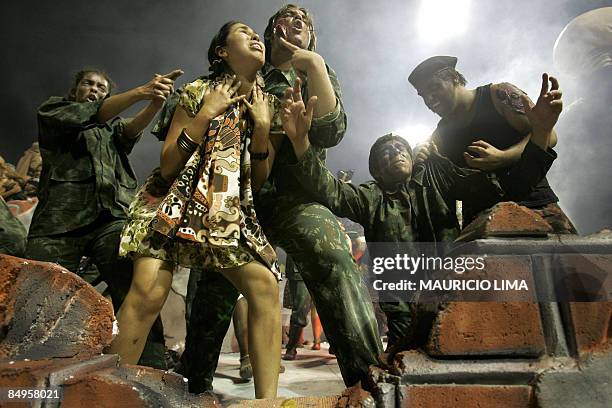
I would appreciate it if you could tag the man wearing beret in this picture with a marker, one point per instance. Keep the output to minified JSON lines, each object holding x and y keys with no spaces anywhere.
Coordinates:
{"x":491,"y":128}
{"x":404,"y":203}
{"x":401,"y":204}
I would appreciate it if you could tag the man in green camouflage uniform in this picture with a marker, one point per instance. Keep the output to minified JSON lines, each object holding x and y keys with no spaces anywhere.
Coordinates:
{"x":87,"y":183}
{"x":307,"y":231}
{"x":12,"y":232}
{"x":404,"y":204}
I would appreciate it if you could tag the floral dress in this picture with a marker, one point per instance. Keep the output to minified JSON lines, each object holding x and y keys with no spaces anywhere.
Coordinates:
{"x":206,"y":216}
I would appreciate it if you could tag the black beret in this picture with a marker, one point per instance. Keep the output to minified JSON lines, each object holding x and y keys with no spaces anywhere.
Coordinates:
{"x":422,"y":74}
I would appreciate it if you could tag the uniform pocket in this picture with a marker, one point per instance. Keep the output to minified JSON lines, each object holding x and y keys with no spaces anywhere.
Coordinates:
{"x":70,"y":196}
{"x":72,"y":170}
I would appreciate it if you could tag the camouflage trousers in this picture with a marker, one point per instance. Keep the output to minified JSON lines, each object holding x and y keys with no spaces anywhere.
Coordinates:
{"x":311,"y":235}
{"x":399,"y":322}
{"x":300,"y":303}
{"x":409,"y":324}
{"x":100,"y":242}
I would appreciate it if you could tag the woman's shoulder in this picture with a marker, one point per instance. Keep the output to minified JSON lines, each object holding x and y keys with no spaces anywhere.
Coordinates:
{"x":196,"y":85}
{"x":192,"y":94}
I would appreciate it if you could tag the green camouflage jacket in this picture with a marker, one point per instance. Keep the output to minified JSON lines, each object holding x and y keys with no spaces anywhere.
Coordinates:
{"x":421,"y":209}
{"x":12,"y":232}
{"x":326,"y":131}
{"x":85,"y":167}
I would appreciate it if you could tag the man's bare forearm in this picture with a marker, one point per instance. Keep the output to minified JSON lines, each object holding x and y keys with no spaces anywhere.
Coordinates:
{"x":116,"y":104}
{"x":320,"y":85}
{"x":513,"y":153}
{"x":141,"y":120}
{"x":541,"y":138}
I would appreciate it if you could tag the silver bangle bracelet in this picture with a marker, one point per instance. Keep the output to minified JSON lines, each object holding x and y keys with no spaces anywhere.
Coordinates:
{"x":185,"y":143}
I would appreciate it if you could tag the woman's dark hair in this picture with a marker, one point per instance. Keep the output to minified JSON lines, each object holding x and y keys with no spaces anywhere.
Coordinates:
{"x":81,"y":74}
{"x":217,"y":65}
{"x":269,"y":33}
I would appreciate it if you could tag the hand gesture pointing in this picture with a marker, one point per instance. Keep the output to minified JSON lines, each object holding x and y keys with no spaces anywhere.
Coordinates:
{"x":544,"y":114}
{"x":302,"y":60}
{"x":160,"y":87}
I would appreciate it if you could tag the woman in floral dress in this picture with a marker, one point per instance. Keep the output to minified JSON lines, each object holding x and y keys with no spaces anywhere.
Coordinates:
{"x":197,"y":210}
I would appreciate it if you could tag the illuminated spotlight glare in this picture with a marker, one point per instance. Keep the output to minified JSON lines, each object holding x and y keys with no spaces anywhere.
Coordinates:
{"x":439,"y":20}
{"x":415,"y":134}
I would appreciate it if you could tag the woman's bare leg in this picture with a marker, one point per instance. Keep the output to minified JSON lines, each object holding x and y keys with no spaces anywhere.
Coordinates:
{"x":148,"y":292}
{"x":260,"y":287}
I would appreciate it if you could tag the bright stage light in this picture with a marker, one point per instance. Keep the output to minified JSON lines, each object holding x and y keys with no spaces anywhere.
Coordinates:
{"x":415,"y":134}
{"x":442,"y":19}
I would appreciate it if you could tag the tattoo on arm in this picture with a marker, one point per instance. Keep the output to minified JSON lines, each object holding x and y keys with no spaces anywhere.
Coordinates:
{"x":509,"y":95}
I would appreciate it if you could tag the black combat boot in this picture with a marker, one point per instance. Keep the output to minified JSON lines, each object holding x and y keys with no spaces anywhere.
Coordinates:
{"x":294,"y":337}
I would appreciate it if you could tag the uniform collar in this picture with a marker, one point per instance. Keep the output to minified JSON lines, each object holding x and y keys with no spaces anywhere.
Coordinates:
{"x":270,"y":70}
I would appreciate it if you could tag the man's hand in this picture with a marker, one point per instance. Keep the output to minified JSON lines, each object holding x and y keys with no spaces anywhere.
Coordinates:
{"x":160,"y":87}
{"x":297,"y":118}
{"x":156,"y":90}
{"x":544,"y":114}
{"x":484,"y":156}
{"x":302,"y":60}
{"x":423,"y":151}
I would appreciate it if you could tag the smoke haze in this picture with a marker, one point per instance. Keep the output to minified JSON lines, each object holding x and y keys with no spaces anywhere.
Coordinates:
{"x":372,"y":46}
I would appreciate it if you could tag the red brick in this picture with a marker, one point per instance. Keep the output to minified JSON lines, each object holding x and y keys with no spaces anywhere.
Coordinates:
{"x":507,"y":219}
{"x":131,"y":386}
{"x":356,"y":397}
{"x":583,"y":277}
{"x":473,"y":396}
{"x":100,"y":382}
{"x":592,"y":324}
{"x":300,"y":402}
{"x":49,"y":372}
{"x":487,"y":328}
{"x":101,"y":392}
{"x":590,"y":278}
{"x":47,"y":311}
{"x":29,"y":373}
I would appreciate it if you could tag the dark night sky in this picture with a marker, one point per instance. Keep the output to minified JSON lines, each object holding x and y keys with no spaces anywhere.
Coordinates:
{"x":371,"y":45}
